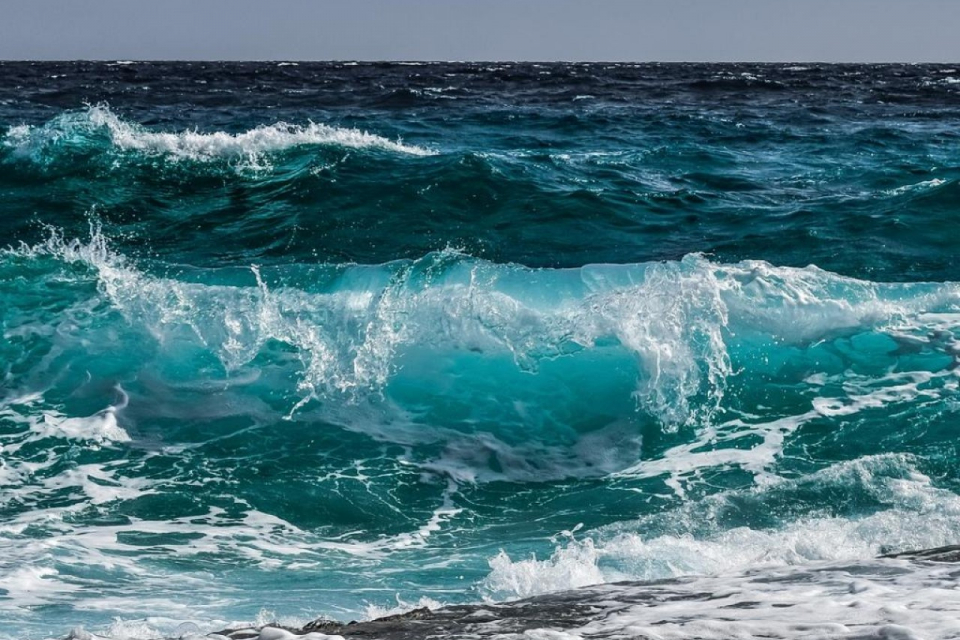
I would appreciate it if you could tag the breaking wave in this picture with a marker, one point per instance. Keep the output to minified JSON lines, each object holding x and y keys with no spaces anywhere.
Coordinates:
{"x":97,"y":126}
{"x":685,"y":329}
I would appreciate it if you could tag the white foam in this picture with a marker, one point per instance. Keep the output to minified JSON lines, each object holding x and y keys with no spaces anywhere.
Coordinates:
{"x":870,"y":600}
{"x":31,"y":586}
{"x":920,"y":186}
{"x":374,"y":611}
{"x":570,"y":567}
{"x":101,"y":428}
{"x":275,"y":633}
{"x":251,"y":148}
{"x":540,"y":634}
{"x":917,"y":515}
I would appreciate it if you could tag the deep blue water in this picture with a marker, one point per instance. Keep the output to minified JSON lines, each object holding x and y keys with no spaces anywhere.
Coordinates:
{"x":330,"y":339}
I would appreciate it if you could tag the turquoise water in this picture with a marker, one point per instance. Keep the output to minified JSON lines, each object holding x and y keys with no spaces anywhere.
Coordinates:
{"x":334,"y":340}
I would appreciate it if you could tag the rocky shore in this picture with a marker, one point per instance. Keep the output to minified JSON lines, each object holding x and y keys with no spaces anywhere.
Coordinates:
{"x":896,"y":596}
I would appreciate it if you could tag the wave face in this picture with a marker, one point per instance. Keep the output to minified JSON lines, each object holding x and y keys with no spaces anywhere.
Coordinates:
{"x":327,"y":339}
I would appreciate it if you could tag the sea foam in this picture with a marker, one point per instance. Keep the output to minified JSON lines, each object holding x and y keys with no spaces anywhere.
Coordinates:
{"x":915,"y":515}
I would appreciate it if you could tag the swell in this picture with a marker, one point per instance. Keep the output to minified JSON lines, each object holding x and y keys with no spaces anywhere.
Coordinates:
{"x":276,"y":193}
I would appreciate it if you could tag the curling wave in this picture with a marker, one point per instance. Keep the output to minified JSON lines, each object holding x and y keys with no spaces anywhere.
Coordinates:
{"x":684,"y":330}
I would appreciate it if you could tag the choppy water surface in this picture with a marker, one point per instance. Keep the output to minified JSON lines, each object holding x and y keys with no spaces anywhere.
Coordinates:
{"x":338,"y":339}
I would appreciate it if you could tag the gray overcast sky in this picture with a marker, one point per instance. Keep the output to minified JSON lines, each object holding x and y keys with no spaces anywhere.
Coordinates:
{"x":639,"y":30}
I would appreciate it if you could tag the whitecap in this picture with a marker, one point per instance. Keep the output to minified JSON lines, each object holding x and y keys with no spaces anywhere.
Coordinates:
{"x":920,"y":186}
{"x":252,"y":147}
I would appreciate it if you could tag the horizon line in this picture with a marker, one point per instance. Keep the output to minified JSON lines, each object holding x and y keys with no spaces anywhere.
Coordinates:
{"x":478,"y":61}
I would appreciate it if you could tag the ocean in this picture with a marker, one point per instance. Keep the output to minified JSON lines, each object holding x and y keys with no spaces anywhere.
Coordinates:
{"x":283,"y":341}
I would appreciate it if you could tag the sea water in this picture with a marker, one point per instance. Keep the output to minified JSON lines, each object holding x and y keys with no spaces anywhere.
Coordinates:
{"x":286,"y":341}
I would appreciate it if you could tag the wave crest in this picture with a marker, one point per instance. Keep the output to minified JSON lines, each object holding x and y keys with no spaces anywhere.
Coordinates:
{"x":80,"y":130}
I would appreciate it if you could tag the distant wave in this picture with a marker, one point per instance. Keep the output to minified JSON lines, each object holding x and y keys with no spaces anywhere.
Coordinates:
{"x":82,"y":129}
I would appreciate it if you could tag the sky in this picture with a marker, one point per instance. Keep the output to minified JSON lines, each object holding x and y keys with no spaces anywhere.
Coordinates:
{"x":614,"y":30}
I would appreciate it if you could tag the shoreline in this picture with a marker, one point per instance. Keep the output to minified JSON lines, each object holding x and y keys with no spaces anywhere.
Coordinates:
{"x":616,"y":610}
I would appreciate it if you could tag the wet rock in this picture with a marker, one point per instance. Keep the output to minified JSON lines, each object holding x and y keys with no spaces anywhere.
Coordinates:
{"x":949,"y":553}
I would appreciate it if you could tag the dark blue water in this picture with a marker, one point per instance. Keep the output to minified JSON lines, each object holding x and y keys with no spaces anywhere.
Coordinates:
{"x":331,"y":339}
